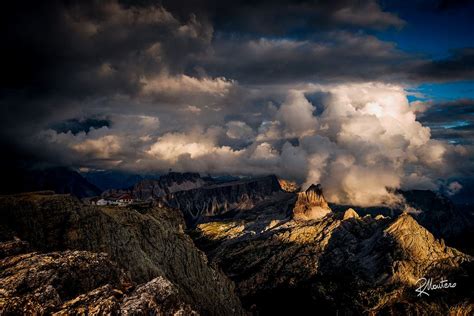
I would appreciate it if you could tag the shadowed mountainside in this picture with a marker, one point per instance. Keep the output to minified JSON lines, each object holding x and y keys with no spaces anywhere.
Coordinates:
{"x":59,"y":179}
{"x":147,"y":243}
{"x":221,"y":199}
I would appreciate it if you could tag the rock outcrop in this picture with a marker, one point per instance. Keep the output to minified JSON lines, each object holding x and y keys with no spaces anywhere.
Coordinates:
{"x":78,"y":283}
{"x":147,"y":243}
{"x":311,"y":204}
{"x":288,"y":186}
{"x":350,"y":213}
{"x":222,"y":199}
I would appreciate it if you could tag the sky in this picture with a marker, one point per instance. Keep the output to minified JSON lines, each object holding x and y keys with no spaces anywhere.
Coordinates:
{"x":362,"y":96}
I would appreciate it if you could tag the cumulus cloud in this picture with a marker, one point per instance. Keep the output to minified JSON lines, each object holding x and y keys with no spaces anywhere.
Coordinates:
{"x":296,"y":114}
{"x":364,"y":143}
{"x":239,"y":130}
{"x":178,"y":86}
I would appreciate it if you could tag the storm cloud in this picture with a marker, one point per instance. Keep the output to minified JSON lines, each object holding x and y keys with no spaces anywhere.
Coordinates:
{"x":304,"y":89}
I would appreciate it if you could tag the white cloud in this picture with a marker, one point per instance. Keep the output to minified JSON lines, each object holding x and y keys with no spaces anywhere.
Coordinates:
{"x":182,"y":84}
{"x":239,"y":130}
{"x":296,"y":113}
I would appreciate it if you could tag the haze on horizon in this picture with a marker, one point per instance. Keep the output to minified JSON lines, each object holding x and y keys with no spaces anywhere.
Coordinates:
{"x":360,"y":96}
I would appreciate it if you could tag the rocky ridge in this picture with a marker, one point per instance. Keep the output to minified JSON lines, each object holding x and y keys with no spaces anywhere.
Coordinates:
{"x":224,"y":199}
{"x":346,"y":263}
{"x":166,"y":184}
{"x":147,"y":243}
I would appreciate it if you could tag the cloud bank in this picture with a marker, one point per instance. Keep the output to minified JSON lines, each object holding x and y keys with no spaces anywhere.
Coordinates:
{"x":148,"y":87}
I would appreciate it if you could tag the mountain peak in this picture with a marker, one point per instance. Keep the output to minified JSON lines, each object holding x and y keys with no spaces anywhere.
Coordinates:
{"x":350,"y":213}
{"x":311,"y":204}
{"x":415,"y":241}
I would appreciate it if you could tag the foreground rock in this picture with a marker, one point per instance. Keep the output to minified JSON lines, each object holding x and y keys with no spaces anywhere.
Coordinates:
{"x":147,"y":243}
{"x":81,"y":282}
{"x":352,"y":265}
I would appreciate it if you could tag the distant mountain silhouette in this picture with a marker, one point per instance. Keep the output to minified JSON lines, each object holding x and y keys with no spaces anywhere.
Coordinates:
{"x":58,"y":179}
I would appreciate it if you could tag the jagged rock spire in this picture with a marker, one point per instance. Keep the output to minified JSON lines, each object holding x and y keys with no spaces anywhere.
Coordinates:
{"x":311,"y":204}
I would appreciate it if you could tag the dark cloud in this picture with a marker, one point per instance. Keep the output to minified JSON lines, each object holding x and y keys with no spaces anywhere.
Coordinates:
{"x":281,"y":17}
{"x":452,"y":4}
{"x":458,"y":66}
{"x":451,"y":121}
{"x":334,"y":56}
{"x":68,"y":59}
{"x":428,"y":5}
{"x":88,"y":47}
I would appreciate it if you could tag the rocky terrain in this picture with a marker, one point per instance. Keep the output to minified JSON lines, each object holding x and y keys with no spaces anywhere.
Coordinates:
{"x":438,"y":214}
{"x":146,"y":243}
{"x":152,"y":189}
{"x":335,"y":262}
{"x":433,"y":211}
{"x":224,"y":199}
{"x":266,"y":248}
{"x":78,"y":283}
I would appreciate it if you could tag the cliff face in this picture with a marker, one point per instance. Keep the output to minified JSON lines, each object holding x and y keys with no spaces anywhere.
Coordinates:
{"x":222,"y":199}
{"x":147,"y":243}
{"x":347,"y":263}
{"x":166,"y":184}
{"x":311,"y":204}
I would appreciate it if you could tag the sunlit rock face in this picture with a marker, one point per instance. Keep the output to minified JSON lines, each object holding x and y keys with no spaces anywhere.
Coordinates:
{"x":288,"y":186}
{"x":311,"y":204}
{"x":350,"y":213}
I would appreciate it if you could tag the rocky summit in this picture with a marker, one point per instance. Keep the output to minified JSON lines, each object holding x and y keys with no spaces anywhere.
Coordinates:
{"x":311,"y":204}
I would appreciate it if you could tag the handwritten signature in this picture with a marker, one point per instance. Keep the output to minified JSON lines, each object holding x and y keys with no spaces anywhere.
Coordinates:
{"x":426,"y":285}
